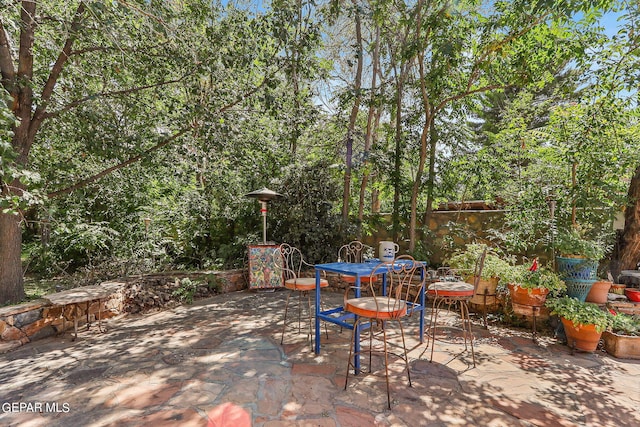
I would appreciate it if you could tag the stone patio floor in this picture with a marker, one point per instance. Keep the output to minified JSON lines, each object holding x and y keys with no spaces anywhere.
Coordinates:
{"x":219,"y":362}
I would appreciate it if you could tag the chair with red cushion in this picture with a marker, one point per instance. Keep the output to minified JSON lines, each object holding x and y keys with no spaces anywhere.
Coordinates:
{"x":355,"y":251}
{"x":452,"y":292}
{"x":291,"y":264}
{"x":404,"y":283}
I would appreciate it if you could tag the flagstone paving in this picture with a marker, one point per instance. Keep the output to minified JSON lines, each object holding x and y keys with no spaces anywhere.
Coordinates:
{"x":219,"y":362}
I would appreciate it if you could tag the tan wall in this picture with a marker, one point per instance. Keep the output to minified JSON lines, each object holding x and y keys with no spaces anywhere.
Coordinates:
{"x":475,"y":222}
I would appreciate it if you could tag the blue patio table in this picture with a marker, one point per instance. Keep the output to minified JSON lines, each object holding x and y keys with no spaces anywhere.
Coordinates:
{"x":339,"y":316}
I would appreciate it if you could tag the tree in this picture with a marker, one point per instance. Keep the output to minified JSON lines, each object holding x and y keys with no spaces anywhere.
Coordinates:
{"x":158,"y":71}
{"x":531,"y":43}
{"x":618,"y":76}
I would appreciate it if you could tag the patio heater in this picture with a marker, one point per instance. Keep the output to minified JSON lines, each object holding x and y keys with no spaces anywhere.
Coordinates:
{"x":264,"y":195}
{"x":261,"y":260}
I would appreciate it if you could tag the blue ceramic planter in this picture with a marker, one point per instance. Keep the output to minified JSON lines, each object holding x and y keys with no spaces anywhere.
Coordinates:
{"x":576,"y":268}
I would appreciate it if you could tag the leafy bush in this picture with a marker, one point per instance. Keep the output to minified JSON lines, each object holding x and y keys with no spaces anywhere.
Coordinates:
{"x":522,"y":276}
{"x":186,"y":290}
{"x":583,"y":313}
{"x":573,"y":242}
{"x":80,"y":244}
{"x":494,"y":266}
{"x":625,"y":324}
{"x":306,"y":217}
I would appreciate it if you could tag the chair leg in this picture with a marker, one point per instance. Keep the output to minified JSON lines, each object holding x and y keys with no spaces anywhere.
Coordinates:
{"x":466,"y":328}
{"x":351,"y":352}
{"x":300,"y":311}
{"x":386,"y":364}
{"x":370,"y":346}
{"x":300,"y":305}
{"x":434,"y":325}
{"x":284,"y":326}
{"x":484,"y":308}
{"x":326,"y":330}
{"x":428,"y":329}
{"x":404,"y":347}
{"x":310,"y":336}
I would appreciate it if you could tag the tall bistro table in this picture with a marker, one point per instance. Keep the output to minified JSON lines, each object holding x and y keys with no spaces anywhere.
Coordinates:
{"x":339,"y":316}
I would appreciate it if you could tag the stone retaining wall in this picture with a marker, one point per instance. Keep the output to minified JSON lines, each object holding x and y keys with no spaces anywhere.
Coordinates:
{"x":477,"y":223}
{"x":33,"y":320}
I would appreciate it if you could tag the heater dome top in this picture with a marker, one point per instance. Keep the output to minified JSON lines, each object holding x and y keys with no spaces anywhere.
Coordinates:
{"x":264,"y":194}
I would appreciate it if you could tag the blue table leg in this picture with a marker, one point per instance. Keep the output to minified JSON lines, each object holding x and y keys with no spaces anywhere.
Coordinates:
{"x":317,"y":312}
{"x":356,"y":336}
{"x":384,"y":284}
{"x":422,"y":304}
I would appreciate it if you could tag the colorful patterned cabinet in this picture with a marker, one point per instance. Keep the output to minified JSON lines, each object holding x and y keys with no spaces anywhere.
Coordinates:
{"x":262,"y":271}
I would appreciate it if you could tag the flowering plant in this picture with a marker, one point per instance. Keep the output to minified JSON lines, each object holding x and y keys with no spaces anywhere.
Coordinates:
{"x":538,"y":277}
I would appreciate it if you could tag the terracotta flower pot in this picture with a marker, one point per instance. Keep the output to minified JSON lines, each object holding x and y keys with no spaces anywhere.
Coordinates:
{"x":618,"y":288}
{"x":621,"y":346}
{"x":531,"y":297}
{"x":599,"y":292}
{"x":581,"y":337}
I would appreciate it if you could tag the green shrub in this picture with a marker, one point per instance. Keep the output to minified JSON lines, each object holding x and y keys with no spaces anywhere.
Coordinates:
{"x":583,"y":313}
{"x":522,"y":276}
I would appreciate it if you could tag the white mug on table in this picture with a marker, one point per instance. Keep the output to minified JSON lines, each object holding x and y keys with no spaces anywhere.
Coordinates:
{"x":387,"y":251}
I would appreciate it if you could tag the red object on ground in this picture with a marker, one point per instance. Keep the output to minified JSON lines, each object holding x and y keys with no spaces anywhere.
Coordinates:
{"x":633,"y":294}
{"x":228,"y":415}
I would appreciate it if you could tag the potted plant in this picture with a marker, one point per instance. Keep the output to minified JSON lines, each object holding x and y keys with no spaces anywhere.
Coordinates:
{"x":583,"y":322}
{"x":599,"y":292}
{"x":494,"y":269}
{"x":530,"y":286}
{"x":573,"y":243}
{"x":622,"y":339}
{"x":577,"y":260}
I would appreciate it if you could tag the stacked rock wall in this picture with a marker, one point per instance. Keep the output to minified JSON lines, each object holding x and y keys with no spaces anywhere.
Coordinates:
{"x":33,"y":320}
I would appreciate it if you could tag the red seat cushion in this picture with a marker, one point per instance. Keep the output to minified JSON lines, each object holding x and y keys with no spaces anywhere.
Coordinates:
{"x":352,"y":279}
{"x":387,"y":308}
{"x":450,"y":289}
{"x":304,"y":284}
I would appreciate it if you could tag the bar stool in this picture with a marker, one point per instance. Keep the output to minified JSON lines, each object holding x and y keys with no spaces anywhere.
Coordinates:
{"x":450,"y":293}
{"x":288,"y":260}
{"x":374,"y":312}
{"x":357,"y":252}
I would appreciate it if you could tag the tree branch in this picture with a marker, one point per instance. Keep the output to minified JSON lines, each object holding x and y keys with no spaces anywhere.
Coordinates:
{"x":131,"y":160}
{"x":145,"y":153}
{"x":493,"y":47}
{"x":6,"y":64}
{"x":464,"y":94}
{"x":77,"y":102}
{"x":64,"y":55}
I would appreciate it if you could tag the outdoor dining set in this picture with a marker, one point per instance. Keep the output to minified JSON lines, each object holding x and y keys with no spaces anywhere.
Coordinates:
{"x":379,"y":292}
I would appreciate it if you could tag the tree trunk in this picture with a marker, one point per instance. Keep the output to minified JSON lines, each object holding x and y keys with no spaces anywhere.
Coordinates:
{"x":11,"y":280}
{"x":417,"y":182}
{"x":630,"y":244}
{"x":346,"y":196}
{"x":395,"y":217}
{"x":432,"y":176}
{"x":372,"y":123}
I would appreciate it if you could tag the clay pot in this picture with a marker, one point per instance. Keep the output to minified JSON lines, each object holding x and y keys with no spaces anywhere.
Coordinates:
{"x":529,"y":297}
{"x":599,"y":292}
{"x":618,"y":288}
{"x":622,"y":346}
{"x":581,"y":337}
